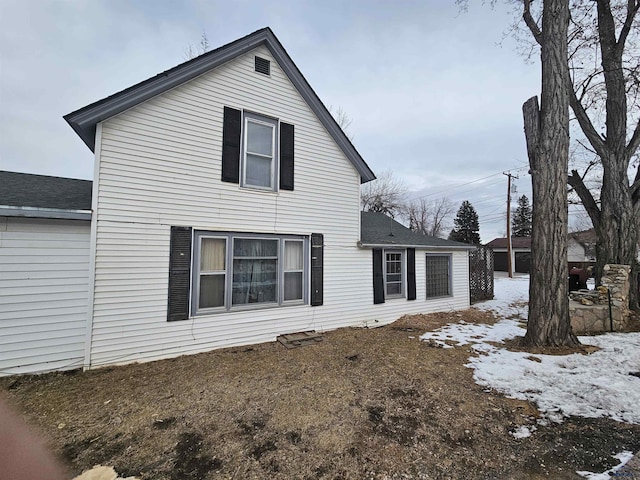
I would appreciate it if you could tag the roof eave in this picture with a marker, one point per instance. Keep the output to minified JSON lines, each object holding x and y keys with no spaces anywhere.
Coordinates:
{"x":425,"y":247}
{"x":84,"y":120}
{"x":36,"y":212}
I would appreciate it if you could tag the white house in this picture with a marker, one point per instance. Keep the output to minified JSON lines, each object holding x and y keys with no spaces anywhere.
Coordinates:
{"x":225,"y":211}
{"x":581,"y":247}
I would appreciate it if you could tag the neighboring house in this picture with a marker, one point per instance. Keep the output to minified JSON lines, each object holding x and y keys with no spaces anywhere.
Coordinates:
{"x":581,"y":248}
{"x":226,"y":212}
{"x":520,"y":254}
{"x":44,"y":271}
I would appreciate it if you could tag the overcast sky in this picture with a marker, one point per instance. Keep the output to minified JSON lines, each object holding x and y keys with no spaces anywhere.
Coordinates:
{"x":432,"y":93}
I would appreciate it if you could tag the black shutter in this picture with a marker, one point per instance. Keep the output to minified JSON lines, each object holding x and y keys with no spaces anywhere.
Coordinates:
{"x":378,"y":277}
{"x":286,"y":156}
{"x":317,"y":261}
{"x":179,"y":273}
{"x":411,"y":273}
{"x":231,"y":145}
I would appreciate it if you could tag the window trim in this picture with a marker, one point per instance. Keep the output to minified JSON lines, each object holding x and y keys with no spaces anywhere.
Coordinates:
{"x":449,"y":258}
{"x":230,"y":237}
{"x":275,"y":150}
{"x":304,"y":270}
{"x":403,"y":273}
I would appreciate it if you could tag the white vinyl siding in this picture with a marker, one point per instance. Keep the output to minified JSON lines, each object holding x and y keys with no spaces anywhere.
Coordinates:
{"x":44,"y":274}
{"x":160,"y":165}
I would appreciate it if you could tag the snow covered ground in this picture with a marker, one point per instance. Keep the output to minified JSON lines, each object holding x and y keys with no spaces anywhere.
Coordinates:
{"x":595,"y":385}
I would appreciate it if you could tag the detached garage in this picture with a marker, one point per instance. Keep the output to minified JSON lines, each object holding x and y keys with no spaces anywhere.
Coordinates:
{"x":44,"y":272}
{"x":520,"y":254}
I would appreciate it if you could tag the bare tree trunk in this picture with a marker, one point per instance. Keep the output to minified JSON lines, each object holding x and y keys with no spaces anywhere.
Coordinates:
{"x":547,"y":134}
{"x":615,"y":222}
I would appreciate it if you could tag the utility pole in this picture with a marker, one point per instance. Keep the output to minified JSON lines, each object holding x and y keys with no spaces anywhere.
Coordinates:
{"x":509,"y":247}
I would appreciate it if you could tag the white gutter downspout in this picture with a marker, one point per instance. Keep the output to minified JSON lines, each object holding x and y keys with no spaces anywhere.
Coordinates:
{"x":92,"y":249}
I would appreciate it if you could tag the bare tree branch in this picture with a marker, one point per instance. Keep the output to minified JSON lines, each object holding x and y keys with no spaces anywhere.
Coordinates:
{"x":385,"y":194}
{"x":586,"y":125}
{"x":589,"y":203}
{"x":633,"y":144}
{"x":531,"y":23}
{"x":632,"y":9}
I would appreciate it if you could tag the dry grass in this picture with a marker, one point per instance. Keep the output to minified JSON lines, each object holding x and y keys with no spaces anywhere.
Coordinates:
{"x":362,"y":404}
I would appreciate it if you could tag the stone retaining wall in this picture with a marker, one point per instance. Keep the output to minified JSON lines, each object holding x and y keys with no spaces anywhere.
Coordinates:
{"x":589,"y":310}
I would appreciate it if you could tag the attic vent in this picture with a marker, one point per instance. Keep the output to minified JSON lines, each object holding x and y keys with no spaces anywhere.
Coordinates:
{"x":263,"y":66}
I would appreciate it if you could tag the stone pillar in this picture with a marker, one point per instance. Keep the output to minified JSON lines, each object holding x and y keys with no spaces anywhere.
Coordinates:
{"x":616,"y":279}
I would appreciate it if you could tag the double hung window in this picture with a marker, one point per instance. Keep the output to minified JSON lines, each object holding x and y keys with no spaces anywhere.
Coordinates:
{"x":242,"y":270}
{"x":213,"y":273}
{"x":393,"y":273}
{"x":260,"y":147}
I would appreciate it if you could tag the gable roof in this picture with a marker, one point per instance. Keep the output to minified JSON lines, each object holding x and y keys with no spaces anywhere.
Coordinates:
{"x":28,"y":195}
{"x":84,"y":120}
{"x":516,"y":242}
{"x":379,"y":230}
{"x":584,"y":236}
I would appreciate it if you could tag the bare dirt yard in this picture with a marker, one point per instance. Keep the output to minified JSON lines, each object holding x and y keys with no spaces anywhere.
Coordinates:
{"x":362,"y":404}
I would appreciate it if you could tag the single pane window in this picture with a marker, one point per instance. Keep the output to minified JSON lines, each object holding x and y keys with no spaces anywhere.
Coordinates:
{"x":394,"y":288}
{"x":254,"y":281}
{"x":258,"y":171}
{"x":211,"y":291}
{"x":259,"y":139}
{"x":438,"y":276}
{"x":212,"y":254}
{"x":293,"y":286}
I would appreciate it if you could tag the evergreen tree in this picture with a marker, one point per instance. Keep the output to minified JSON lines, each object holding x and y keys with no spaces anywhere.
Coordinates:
{"x":521,"y":223}
{"x":466,"y":225}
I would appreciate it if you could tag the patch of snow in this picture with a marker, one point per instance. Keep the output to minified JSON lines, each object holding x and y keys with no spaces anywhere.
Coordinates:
{"x":471,"y":333}
{"x":510,"y":297}
{"x":624,"y":457}
{"x":596,"y":385}
{"x":523,"y":431}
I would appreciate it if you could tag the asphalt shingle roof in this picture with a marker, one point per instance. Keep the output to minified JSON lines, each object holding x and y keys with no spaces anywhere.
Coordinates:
{"x":41,"y":191}
{"x":379,"y":229}
{"x":516,"y":242}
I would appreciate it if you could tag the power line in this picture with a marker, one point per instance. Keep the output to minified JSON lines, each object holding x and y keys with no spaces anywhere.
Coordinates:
{"x":467,"y":183}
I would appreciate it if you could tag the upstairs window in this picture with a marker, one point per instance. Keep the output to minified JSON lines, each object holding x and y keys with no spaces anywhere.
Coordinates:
{"x":257,"y":151}
{"x":260,"y":147}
